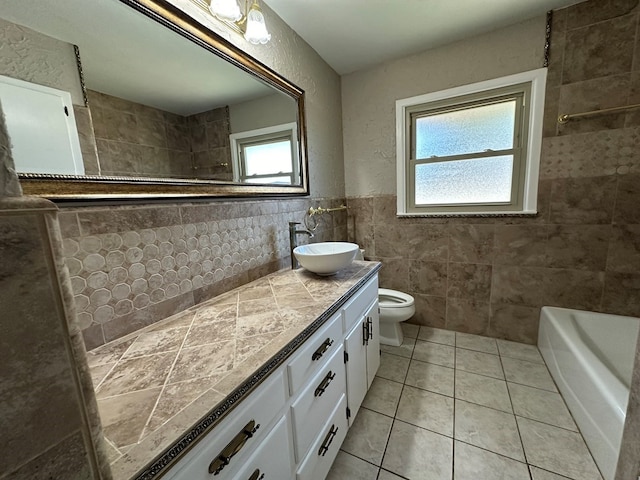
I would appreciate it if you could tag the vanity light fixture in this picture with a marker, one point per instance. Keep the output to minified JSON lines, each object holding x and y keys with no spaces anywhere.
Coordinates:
{"x":251,"y":24}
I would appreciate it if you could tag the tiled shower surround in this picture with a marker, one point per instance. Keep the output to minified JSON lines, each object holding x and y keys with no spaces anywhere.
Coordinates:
{"x":131,"y":138}
{"x":490,"y":276}
{"x":131,"y":267}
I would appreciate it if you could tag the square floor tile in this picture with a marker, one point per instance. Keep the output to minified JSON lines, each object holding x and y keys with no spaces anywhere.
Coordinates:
{"x":488,"y":428}
{"x":367,"y":437}
{"x":384,"y":475}
{"x":476,"y":342}
{"x":393,"y":367}
{"x":383,"y":396}
{"x":472,"y":463}
{"x":434,"y":353}
{"x":437,"y":335}
{"x":478,"y":362}
{"x":539,"y":474}
{"x":520,"y":351}
{"x":414,"y":452}
{"x":348,"y":467}
{"x":482,"y":390}
{"x":541,"y":405}
{"x":404,"y":350}
{"x":428,"y":376}
{"x":528,"y":373}
{"x":557,"y":450}
{"x":427,"y":410}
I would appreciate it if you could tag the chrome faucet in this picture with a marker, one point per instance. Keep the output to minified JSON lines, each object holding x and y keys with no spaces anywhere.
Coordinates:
{"x":293,"y":243}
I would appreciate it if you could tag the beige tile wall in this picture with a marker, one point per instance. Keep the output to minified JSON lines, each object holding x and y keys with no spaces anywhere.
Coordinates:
{"x":133,"y":266}
{"x":582,"y":250}
{"x":135,"y":139}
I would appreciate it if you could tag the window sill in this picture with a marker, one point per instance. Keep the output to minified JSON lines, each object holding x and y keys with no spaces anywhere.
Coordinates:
{"x":468,"y":214}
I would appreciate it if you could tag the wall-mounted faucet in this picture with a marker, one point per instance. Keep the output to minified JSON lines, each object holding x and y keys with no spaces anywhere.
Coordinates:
{"x":293,"y":240}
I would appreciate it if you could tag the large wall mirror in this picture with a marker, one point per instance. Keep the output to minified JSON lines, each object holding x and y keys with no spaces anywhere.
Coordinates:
{"x":166,"y":107}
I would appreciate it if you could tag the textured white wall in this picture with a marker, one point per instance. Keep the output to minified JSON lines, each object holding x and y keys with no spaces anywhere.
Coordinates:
{"x":30,"y":56}
{"x":368,"y":96}
{"x":294,"y":59}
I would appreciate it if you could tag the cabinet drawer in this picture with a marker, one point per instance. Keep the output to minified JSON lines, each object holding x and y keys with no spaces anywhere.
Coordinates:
{"x":313,"y":355}
{"x":354,"y":308}
{"x":273,"y":458}
{"x":256,"y":412}
{"x":324,"y":450}
{"x":316,"y":402}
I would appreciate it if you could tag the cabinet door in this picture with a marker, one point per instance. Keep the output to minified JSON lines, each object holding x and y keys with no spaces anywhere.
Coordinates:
{"x":356,"y":366}
{"x":372,"y":316}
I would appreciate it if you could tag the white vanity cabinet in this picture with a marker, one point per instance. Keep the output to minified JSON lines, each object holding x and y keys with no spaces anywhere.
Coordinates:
{"x":362,"y":345}
{"x":239,"y":435}
{"x":293,"y":424}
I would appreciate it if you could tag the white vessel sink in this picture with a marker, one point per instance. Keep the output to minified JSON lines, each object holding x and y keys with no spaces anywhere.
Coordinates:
{"x":326,"y":258}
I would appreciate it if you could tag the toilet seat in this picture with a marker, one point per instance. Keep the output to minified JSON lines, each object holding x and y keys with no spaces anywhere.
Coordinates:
{"x":393,"y":299}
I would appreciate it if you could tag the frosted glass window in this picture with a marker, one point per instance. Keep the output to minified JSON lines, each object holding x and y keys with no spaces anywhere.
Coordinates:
{"x":477,"y":181}
{"x":471,"y":149}
{"x":488,"y":127}
{"x":268,"y":158}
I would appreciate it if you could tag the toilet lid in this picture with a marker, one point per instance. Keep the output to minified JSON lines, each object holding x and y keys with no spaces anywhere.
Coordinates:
{"x":393,"y":299}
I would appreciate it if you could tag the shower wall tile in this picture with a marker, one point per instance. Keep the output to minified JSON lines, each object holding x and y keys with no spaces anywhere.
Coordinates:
{"x":624,"y":249}
{"x":627,"y":200}
{"x":621,"y":294}
{"x":586,"y":13}
{"x":581,"y":247}
{"x":594,"y":154}
{"x":572,"y":288}
{"x":584,"y":96}
{"x":587,"y":201}
{"x":600,"y":49}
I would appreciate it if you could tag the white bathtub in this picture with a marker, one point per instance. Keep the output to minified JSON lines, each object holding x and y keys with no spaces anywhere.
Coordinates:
{"x":590,"y":356}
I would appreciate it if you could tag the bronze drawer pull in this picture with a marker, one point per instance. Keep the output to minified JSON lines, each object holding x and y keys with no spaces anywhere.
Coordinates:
{"x":324,"y":384}
{"x":327,"y":440}
{"x":321,"y":349}
{"x":233,"y":447}
{"x":370,"y":327}
{"x":365,"y":332}
{"x":256,"y":475}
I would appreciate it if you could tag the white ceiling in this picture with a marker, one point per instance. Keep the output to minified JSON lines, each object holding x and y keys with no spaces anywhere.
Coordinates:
{"x":354,"y":34}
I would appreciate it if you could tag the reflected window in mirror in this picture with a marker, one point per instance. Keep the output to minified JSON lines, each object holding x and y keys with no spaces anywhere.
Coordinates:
{"x":268,"y":155}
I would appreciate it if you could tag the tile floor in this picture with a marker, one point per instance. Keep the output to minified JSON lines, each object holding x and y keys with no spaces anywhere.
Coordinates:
{"x":448,"y":405}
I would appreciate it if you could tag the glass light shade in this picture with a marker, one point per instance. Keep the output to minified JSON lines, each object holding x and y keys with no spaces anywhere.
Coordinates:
{"x":256,"y":28}
{"x":226,"y":10}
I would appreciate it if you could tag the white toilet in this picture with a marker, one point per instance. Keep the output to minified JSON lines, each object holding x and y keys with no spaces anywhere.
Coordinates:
{"x":395,"y":307}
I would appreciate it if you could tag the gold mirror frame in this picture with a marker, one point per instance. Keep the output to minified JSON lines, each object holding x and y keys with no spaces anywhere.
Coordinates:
{"x":76,"y":187}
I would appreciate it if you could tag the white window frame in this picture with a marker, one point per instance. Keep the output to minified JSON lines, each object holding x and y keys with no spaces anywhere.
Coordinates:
{"x":237,"y":140}
{"x":537,"y":80}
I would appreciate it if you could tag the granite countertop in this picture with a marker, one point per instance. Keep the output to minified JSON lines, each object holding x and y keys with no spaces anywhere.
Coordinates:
{"x":155,"y":384}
